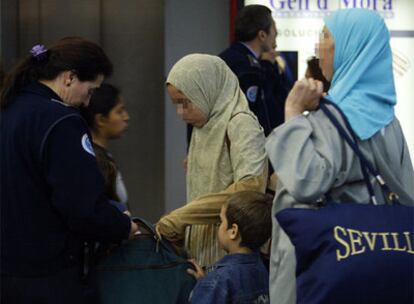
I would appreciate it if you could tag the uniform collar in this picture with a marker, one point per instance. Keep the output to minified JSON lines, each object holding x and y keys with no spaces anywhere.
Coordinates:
{"x":43,"y":90}
{"x":250,"y":50}
{"x":240,"y":47}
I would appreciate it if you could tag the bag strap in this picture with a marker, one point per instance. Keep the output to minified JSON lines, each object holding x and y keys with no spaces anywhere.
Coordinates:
{"x":150,"y":227}
{"x":364,"y":169}
{"x":366,"y":166}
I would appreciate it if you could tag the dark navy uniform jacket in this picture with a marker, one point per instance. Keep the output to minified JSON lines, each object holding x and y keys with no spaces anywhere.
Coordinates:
{"x":51,"y":189}
{"x":261,"y":82}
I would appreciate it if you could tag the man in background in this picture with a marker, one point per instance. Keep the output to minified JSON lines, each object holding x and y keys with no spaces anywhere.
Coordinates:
{"x":253,"y":59}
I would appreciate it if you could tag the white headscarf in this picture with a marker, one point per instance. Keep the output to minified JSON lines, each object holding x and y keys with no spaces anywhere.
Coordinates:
{"x":208,"y":83}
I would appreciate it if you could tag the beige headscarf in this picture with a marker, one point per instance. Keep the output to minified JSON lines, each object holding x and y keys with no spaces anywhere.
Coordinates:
{"x":208,"y":82}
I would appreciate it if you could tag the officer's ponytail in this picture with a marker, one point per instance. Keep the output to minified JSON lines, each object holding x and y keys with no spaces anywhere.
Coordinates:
{"x":85,"y":58}
{"x":15,"y":80}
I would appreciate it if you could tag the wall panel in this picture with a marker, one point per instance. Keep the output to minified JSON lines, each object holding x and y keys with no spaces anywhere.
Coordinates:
{"x":132,"y":34}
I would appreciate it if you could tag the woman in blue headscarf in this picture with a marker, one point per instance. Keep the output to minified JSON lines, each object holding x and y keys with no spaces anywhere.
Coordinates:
{"x":307,"y":153}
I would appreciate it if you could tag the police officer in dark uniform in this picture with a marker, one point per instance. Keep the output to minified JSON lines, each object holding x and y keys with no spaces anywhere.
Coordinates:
{"x":52,"y":198}
{"x":253,"y":59}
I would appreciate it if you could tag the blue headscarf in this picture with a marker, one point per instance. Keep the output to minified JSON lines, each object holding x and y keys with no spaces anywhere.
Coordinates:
{"x":363,"y":83}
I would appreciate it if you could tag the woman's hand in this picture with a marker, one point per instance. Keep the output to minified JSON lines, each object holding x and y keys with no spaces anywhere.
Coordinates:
{"x":304,"y":96}
{"x":198,"y":273}
{"x":185,"y":164}
{"x":269,"y":56}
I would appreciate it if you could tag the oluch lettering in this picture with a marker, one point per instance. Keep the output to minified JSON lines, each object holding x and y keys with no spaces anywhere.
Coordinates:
{"x":354,"y":242}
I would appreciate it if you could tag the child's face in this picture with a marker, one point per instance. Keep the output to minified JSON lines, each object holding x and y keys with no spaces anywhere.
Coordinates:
{"x":223,"y":232}
{"x":115,"y":123}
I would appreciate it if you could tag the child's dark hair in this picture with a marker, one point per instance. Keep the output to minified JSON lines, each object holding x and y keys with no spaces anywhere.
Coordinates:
{"x":102,"y":101}
{"x":251,"y":212}
{"x":85,"y":58}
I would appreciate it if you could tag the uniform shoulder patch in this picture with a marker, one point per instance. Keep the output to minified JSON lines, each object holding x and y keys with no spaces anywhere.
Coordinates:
{"x":251,"y":93}
{"x":87,"y":145}
{"x":253,"y":61}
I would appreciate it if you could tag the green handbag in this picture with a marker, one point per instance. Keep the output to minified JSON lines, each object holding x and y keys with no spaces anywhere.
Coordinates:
{"x":143,"y":270}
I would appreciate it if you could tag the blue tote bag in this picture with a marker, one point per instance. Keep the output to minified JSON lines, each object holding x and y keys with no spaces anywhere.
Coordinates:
{"x":353,"y":253}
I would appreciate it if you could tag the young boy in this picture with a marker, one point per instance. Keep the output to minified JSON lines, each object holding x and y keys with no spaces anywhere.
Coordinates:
{"x":239,"y":277}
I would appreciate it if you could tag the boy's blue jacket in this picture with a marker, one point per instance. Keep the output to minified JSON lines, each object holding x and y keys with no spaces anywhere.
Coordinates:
{"x":237,"y":278}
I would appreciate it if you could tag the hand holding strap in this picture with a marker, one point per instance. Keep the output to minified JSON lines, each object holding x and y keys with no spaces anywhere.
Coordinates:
{"x":366,"y":166}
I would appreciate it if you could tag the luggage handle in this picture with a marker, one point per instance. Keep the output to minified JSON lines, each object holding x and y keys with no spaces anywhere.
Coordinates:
{"x":144,"y":223}
{"x":150,"y":228}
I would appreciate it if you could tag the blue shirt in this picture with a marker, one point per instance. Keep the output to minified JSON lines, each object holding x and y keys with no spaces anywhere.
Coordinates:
{"x":237,"y":278}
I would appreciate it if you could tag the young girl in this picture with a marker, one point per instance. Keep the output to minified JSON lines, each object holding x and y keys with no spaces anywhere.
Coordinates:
{"x":108,"y":119}
{"x":226,"y":153}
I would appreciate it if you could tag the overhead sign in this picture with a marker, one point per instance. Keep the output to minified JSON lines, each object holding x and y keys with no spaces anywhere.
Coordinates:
{"x":307,"y":8}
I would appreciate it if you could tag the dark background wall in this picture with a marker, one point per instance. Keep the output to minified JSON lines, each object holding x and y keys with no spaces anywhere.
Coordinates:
{"x":132,"y":34}
{"x":190,"y":27}
{"x":143,"y":38}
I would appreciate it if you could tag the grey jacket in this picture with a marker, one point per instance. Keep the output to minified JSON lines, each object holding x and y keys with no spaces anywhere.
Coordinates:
{"x":310,"y":159}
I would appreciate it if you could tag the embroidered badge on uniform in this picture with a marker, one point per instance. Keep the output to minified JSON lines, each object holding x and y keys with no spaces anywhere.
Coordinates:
{"x":251,"y":93}
{"x":253,"y":61}
{"x":86,"y":144}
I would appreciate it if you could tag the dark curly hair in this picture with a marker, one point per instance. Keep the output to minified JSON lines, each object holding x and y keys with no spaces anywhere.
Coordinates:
{"x":251,"y":212}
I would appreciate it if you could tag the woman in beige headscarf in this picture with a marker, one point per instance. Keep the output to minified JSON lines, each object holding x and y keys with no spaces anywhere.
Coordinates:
{"x":226,"y":153}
